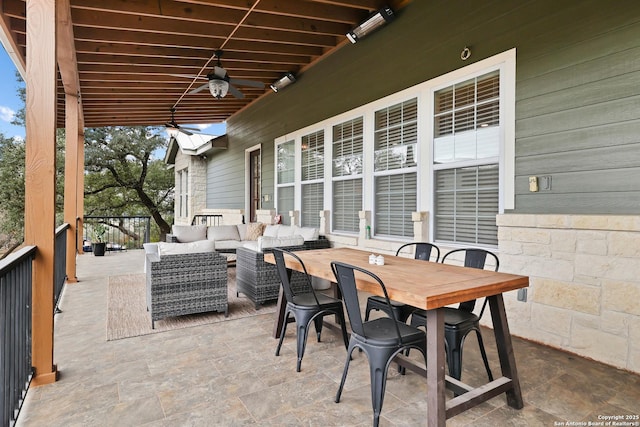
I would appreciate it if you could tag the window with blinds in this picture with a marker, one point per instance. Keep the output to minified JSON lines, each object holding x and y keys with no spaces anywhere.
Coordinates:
{"x":313,"y":156}
{"x":285,"y":203}
{"x":395,"y":142}
{"x":182,"y":195}
{"x":347,"y":160}
{"x":312,"y":148}
{"x":285,"y":175}
{"x":466,"y":160}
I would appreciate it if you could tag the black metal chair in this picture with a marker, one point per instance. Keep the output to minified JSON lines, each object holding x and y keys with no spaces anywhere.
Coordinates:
{"x":305,"y":305}
{"x":381,"y":339}
{"x":459,"y":322}
{"x":402,"y":311}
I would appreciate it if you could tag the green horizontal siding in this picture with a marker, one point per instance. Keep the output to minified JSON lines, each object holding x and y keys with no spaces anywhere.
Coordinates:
{"x":577,"y":94}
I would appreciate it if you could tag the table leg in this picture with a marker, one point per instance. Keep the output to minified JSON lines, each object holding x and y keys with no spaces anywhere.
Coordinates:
{"x":505,"y":350}
{"x":436,"y":398}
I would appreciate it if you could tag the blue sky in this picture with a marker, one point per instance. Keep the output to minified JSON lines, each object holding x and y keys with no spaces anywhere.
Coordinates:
{"x":10,"y":103}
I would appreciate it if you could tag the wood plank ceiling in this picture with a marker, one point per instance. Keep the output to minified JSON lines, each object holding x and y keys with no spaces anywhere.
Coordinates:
{"x":133,"y":55}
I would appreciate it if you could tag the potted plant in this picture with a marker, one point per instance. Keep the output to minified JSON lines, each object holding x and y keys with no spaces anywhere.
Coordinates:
{"x":99,"y":246}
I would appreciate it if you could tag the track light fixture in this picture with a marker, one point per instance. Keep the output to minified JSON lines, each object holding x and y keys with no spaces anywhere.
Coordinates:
{"x":372,"y":23}
{"x":283,"y":82}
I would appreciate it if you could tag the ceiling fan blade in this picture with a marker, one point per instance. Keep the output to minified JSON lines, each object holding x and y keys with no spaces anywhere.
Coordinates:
{"x":243,"y":82}
{"x":188,"y":76}
{"x":199,"y":88}
{"x":235,"y":92}
{"x":219,"y":72}
{"x":186,"y":132}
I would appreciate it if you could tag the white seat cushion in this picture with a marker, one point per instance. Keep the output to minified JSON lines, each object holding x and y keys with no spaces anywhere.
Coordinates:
{"x":190,"y":233}
{"x":165,"y":248}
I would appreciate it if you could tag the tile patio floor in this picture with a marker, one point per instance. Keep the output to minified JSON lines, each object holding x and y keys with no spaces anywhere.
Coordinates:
{"x":226,"y":374}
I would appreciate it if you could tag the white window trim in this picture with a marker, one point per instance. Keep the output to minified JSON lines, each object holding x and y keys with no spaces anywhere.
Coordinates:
{"x":424,"y":93}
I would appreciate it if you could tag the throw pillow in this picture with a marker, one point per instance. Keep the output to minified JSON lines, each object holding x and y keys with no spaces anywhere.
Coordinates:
{"x":254,"y":230}
{"x":190,"y":233}
{"x":242,"y":231}
{"x":223,"y":232}
{"x":165,"y":248}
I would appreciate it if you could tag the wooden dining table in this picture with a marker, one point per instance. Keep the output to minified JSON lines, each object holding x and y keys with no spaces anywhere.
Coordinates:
{"x":432,"y":286}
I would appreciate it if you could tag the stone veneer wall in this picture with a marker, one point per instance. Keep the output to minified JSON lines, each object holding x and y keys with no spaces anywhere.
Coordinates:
{"x":584,"y":291}
{"x":197,"y":184}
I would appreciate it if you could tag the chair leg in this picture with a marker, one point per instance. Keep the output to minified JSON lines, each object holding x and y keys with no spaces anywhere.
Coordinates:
{"x":318,"y":321}
{"x":345,"y":335}
{"x":484,"y":355}
{"x":344,"y":373}
{"x":378,"y":370}
{"x":282,"y":332}
{"x":301,"y":338}
{"x":454,"y":354}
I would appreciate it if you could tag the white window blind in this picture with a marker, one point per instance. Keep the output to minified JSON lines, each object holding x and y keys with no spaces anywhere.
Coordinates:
{"x":396,"y":200}
{"x":347,"y":175}
{"x":395,"y":142}
{"x":313,"y":156}
{"x":466,"y":204}
{"x":312,"y":204}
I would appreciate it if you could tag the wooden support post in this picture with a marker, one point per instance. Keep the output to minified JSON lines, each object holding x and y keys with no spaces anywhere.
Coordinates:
{"x":40,"y":174}
{"x":80,"y":195}
{"x":71,"y":182}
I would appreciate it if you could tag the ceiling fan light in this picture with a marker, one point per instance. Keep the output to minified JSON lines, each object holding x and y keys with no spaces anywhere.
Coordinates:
{"x":282,"y":82}
{"x":172,"y":132}
{"x":218,"y":88}
{"x":372,"y":23}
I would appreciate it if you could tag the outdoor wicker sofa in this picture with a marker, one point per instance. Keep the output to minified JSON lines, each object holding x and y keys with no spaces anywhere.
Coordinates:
{"x":186,"y":283}
{"x":259,"y":280}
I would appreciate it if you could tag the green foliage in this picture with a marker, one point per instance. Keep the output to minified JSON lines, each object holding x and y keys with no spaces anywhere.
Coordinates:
{"x":124,"y":178}
{"x":12,"y":189}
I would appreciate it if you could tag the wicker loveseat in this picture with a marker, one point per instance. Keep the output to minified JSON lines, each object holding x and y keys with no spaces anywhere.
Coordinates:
{"x":259,"y":280}
{"x":186,"y":283}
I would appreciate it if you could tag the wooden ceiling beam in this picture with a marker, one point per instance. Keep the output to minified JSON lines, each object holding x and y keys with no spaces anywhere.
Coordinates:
{"x":215,"y":15}
{"x":172,"y":27}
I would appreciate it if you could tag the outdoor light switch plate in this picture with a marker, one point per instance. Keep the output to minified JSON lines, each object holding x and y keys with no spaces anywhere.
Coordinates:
{"x":522,"y":294}
{"x":545,"y":183}
{"x":533,"y":183}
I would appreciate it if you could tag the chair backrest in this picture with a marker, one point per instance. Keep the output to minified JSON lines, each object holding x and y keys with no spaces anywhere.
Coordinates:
{"x":474,"y":258}
{"x":285,"y":275}
{"x":345,"y":276}
{"x":422,"y":250}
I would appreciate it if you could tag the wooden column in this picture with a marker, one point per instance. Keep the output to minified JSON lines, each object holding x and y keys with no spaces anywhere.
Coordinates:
{"x":40,"y":173}
{"x":80,"y":190}
{"x":74,"y":123}
{"x":71,"y":182}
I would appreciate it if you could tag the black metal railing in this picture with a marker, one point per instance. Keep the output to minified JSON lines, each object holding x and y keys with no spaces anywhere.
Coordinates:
{"x":208,"y":220}
{"x":60,"y":263}
{"x":120,"y":232}
{"x":15,"y":331}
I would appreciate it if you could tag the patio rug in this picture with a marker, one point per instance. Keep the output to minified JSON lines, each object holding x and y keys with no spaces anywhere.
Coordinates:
{"x":127,"y":314}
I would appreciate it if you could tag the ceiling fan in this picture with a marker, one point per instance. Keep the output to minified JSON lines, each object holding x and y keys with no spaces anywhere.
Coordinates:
{"x":219,"y":82}
{"x":173,"y":128}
